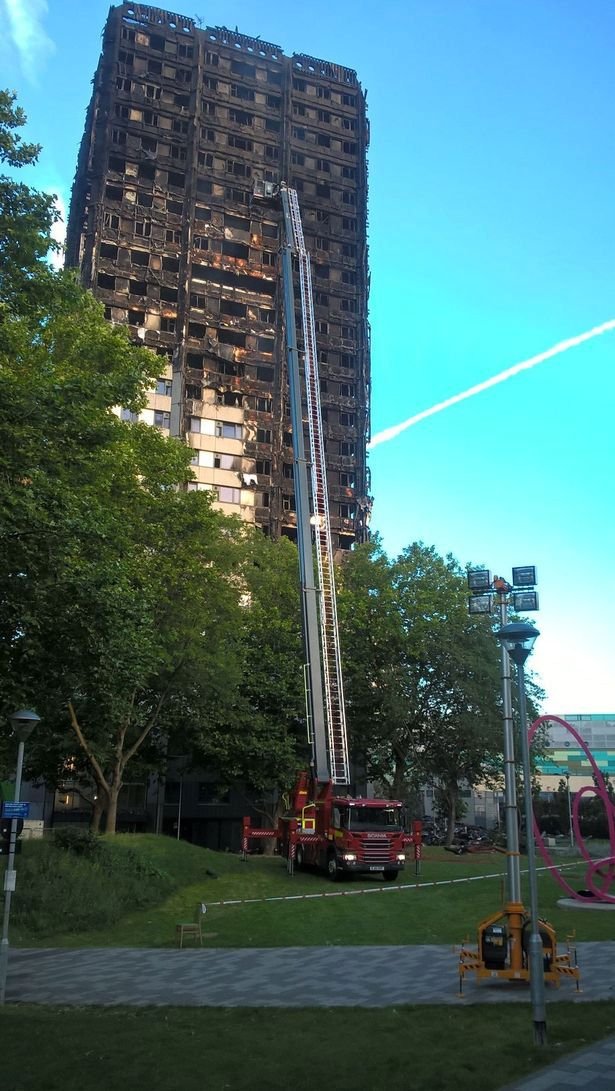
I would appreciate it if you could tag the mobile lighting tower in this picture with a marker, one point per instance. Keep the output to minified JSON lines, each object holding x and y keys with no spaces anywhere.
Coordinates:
{"x":513,"y":944}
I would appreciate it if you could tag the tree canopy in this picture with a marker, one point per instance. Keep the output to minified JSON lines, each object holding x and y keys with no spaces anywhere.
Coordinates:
{"x":26,"y":219}
{"x":138,"y":620}
{"x":119,"y":604}
{"x":422,"y":676}
{"x":263,"y":742}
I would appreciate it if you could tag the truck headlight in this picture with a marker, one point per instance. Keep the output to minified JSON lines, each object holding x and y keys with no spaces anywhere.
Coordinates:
{"x":349,"y":857}
{"x":401,"y":857}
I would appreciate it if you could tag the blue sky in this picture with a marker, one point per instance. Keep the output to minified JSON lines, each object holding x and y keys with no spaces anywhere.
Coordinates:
{"x":492,"y":225}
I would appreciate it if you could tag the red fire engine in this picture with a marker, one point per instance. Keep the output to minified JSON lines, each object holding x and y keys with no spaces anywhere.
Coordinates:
{"x":326,"y":828}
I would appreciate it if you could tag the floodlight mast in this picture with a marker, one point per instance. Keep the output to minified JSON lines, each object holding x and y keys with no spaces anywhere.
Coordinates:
{"x":511,"y":944}
{"x":484,"y":589}
{"x":511,"y":815}
{"x":519,"y":639}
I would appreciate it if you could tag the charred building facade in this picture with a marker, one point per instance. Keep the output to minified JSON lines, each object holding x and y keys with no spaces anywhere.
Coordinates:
{"x":182,"y":122}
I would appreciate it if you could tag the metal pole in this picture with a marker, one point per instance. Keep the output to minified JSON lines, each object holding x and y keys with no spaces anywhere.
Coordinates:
{"x":510,"y":787}
{"x":536,"y":955}
{"x":179,"y":804}
{"x":9,"y":881}
{"x":160,"y":789}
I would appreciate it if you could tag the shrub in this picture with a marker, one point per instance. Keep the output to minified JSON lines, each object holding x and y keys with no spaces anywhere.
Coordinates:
{"x":550,"y":825}
{"x":77,"y":839}
{"x":75,"y":883}
{"x":594,"y":825}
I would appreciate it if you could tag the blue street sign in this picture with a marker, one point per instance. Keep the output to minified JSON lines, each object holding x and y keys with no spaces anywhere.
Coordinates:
{"x":15,"y":810}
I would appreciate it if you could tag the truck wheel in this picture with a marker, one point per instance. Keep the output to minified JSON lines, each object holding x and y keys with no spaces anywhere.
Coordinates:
{"x":299,"y":857}
{"x":390,"y":875}
{"x":333,"y":870}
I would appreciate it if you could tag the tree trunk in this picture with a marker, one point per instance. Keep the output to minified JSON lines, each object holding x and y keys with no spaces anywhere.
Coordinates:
{"x":268,"y":844}
{"x":451,"y":814}
{"x":97,"y":813}
{"x":398,"y":787}
{"x":111,"y":819}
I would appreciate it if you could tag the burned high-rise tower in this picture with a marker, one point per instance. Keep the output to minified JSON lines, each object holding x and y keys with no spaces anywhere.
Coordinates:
{"x":183,"y":120}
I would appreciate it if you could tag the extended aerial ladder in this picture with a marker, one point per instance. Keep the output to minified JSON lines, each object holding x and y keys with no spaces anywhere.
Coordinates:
{"x":326,"y":715}
{"x":323,"y":668}
{"x":333,"y":832}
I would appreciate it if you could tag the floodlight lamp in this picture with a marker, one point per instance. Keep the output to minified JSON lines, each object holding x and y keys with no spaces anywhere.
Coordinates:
{"x":479,"y":604}
{"x":518,"y":638}
{"x":479,"y":579}
{"x":524,"y":576}
{"x":524,"y":600}
{"x":23,"y":723}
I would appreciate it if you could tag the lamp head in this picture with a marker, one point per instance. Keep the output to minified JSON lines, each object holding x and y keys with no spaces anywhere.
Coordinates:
{"x":479,"y":579}
{"x":23,"y":723}
{"x":518,"y":638}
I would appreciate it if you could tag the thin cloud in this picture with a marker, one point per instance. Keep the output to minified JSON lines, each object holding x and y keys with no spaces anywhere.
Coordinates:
{"x":525,"y":365}
{"x":26,"y":30}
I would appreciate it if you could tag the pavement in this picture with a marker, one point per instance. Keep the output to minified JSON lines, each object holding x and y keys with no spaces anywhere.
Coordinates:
{"x":592,"y":1067}
{"x":267,"y":977}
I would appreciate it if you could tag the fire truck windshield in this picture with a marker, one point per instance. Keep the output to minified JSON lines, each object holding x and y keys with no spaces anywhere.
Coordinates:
{"x":374,"y":818}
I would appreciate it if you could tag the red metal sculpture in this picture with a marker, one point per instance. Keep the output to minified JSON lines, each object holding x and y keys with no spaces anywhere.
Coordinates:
{"x":600,"y":874}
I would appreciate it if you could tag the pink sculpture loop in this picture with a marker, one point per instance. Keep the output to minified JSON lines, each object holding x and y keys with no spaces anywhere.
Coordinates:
{"x":598,"y":870}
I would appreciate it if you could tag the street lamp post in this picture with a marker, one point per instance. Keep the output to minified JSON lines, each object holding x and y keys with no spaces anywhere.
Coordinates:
{"x":518,"y":639}
{"x":570,"y":829}
{"x":23,"y":724}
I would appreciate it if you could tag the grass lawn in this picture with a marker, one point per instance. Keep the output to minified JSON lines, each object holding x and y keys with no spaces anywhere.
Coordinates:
{"x":420,"y":914}
{"x":171,"y":1049}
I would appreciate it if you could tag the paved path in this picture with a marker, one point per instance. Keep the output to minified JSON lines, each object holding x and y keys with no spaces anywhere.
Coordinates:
{"x":328,"y":976}
{"x":268,"y":977}
{"x":593,"y":1068}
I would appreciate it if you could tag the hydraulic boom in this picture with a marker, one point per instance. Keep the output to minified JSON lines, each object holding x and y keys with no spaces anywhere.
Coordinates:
{"x":334,"y":833}
{"x":328,"y":719}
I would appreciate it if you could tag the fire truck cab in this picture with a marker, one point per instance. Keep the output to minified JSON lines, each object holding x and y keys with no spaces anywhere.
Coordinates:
{"x":343,"y":834}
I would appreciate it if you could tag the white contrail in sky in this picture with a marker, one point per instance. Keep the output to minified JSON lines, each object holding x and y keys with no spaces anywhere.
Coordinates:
{"x":26,"y":31}
{"x":525,"y":365}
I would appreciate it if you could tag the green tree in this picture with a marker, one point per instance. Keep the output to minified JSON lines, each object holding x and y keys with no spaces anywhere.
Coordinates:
{"x":118,"y":597}
{"x":374,"y":666}
{"x":26,"y":219}
{"x":119,"y":610}
{"x":422,"y":677}
{"x":261,"y":744}
{"x":593,"y":810}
